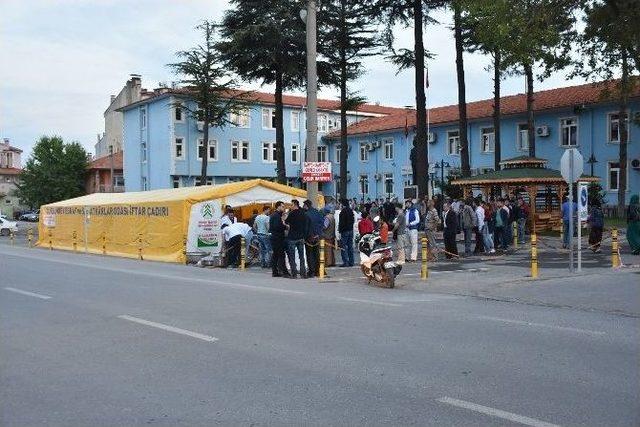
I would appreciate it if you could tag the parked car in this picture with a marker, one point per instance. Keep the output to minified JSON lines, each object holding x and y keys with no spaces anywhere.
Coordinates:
{"x":30,"y":216}
{"x":3,"y":216}
{"x":6,"y":227}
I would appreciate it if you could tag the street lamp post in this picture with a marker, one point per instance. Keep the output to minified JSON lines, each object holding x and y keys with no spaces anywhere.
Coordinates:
{"x":309,"y":16}
{"x":441,"y":165}
{"x":592,"y":161}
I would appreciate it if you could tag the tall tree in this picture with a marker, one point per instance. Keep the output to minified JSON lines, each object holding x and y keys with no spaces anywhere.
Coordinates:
{"x":55,"y":171}
{"x":412,"y":13}
{"x":347,"y":34}
{"x":212,"y":86}
{"x":462,"y":97}
{"x":264,"y":40}
{"x":609,"y":45}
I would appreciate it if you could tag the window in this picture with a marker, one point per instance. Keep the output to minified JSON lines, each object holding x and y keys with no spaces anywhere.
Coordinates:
{"x":268,"y":118}
{"x":268,"y":152}
{"x":178,"y":148}
{"x":569,"y":132}
{"x":453,"y":142}
{"x":388,"y":183}
{"x":177,"y":113}
{"x":613,"y":177}
{"x":145,"y":187}
{"x":212,"y":149}
{"x":295,"y":121}
{"x":614,"y":128}
{"x":322,"y":153}
{"x":364,"y":152}
{"x":338,"y":152}
{"x":488,"y":140}
{"x":143,"y":151}
{"x":240,"y":118}
{"x":295,"y":153}
{"x":388,"y":149}
{"x":118,"y":180}
{"x":199,"y":181}
{"x":323,"y":123}
{"x":364,"y":184}
{"x":239,"y":151}
{"x":523,"y":137}
{"x":176,"y":182}
{"x":143,"y":118}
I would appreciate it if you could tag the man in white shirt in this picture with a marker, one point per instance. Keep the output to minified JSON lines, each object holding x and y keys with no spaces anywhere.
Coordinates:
{"x":412,"y":216}
{"x":229,"y":217}
{"x":232,"y":235}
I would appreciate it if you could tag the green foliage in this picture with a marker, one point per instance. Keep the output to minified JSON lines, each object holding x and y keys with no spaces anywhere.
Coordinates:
{"x":596,"y":194}
{"x":55,"y":171}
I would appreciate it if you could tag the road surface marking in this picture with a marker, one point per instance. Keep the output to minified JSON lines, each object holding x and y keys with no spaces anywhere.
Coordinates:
{"x":31,"y":294}
{"x":371,"y":302}
{"x":496,"y":412}
{"x":169,"y":328}
{"x":542,"y":325}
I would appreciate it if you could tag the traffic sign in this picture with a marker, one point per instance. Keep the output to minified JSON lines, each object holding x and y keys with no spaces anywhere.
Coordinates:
{"x":571,"y":165}
{"x":583,"y":201}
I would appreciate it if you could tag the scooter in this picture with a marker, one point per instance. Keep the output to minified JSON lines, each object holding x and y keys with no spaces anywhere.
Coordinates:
{"x":376,"y":261}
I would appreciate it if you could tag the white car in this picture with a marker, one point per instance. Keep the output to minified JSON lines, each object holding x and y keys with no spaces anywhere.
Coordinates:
{"x":6,"y":227}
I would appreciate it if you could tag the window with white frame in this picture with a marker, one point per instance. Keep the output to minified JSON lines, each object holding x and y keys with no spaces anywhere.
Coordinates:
{"x":268,"y":152}
{"x":212,"y":150}
{"x":364,"y":184}
{"x":176,"y":182}
{"x":178,"y":148}
{"x":338,"y":152}
{"x":322,"y":153}
{"x":268,"y":118}
{"x":178,"y":114}
{"x":239,"y":151}
{"x":323,"y":123}
{"x":614,"y":128}
{"x":143,"y":151}
{"x":453,"y":142}
{"x":488,"y":140}
{"x":295,"y":153}
{"x":613,"y":176}
{"x":295,"y":121}
{"x":388,"y":183}
{"x":388,"y":149}
{"x":569,"y":132}
{"x":240,"y":118}
{"x":364,"y":152}
{"x":522,"y":139}
{"x":143,"y":118}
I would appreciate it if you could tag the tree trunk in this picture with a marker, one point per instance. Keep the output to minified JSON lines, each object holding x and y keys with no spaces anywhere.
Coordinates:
{"x":462,"y":98}
{"x":421,"y":175}
{"x":205,"y":147}
{"x":281,"y":174}
{"x":623,"y":128}
{"x":344,"y":155}
{"x":496,"y":108}
{"x":531,"y":131}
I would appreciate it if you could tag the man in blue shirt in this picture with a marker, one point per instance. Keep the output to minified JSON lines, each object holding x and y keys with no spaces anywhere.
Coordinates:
{"x":261,"y":227}
{"x":566,"y":211}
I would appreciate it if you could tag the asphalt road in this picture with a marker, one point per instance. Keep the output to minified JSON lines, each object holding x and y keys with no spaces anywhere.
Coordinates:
{"x":87,"y":340}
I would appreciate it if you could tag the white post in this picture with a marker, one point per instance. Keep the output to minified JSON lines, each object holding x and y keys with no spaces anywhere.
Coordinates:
{"x":571,"y":216}
{"x":579,"y":244}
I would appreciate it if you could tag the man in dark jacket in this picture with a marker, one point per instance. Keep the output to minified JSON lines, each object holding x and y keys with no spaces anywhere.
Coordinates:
{"x":298,"y":226}
{"x":277,"y":229}
{"x":315,"y":221}
{"x":450,"y":223}
{"x":345,"y":229}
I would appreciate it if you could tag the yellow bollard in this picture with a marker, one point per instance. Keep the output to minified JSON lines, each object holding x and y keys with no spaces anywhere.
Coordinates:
{"x":242,"y":253}
{"x":12,"y":238}
{"x":424,"y":272}
{"x":321,"y":268}
{"x":534,"y":256}
{"x":615,"y":258}
{"x":75,"y":241}
{"x":515,"y":235}
{"x":30,"y":236}
{"x":104,"y":243}
{"x":50,"y":241}
{"x":140,"y":246}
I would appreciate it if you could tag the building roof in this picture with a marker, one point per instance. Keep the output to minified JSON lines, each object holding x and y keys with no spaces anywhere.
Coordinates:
{"x":104,"y":162}
{"x":565,"y":97}
{"x":518,"y":176}
{"x":10,"y":171}
{"x":269,"y":98}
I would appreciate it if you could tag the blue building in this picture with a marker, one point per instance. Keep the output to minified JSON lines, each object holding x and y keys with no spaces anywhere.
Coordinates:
{"x":161,"y":141}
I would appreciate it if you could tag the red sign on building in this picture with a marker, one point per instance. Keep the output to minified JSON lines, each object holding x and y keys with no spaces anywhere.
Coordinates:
{"x":317,"y":172}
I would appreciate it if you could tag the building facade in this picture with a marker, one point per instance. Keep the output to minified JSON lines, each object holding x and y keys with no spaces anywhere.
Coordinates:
{"x":10,"y":168}
{"x":105,"y":174}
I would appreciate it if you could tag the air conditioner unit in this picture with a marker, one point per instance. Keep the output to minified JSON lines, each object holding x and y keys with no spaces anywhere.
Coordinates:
{"x":635,"y":164}
{"x":377,"y":176}
{"x":370,"y":147}
{"x":542,"y":130}
{"x":431,"y":137}
{"x":377,"y":144}
{"x":200,"y":126}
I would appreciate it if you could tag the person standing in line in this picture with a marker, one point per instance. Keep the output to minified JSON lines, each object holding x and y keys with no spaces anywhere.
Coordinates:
{"x":400,"y":233}
{"x":298,"y":225}
{"x":479,"y":211}
{"x":469,"y":222}
{"x":483,"y":212}
{"x":567,"y":212}
{"x":382,"y":228}
{"x":346,"y":219}
{"x":365,"y":225}
{"x":413,"y":221}
{"x":522,"y":213}
{"x":633,"y":224}
{"x":277,"y":228}
{"x":329,"y":236}
{"x":450,"y":221}
{"x":596,"y":224}
{"x":431,"y":224}
{"x":261,"y":227}
{"x":502,"y":221}
{"x":315,"y":229}
{"x":508,"y":229}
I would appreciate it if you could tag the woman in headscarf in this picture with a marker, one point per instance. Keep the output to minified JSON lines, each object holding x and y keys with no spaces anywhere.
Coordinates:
{"x":633,"y":224}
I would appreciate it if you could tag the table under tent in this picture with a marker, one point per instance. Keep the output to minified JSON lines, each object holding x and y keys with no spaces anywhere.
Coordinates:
{"x":160,"y":225}
{"x":541,"y":188}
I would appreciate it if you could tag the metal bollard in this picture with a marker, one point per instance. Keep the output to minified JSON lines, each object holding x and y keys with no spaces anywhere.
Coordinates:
{"x":12,"y":237}
{"x":424,"y":272}
{"x":321,"y":268}
{"x":30,"y":236}
{"x":75,"y":241}
{"x":140,"y":246}
{"x":615,"y":258}
{"x":50,"y":241}
{"x":184,"y":247}
{"x":242,"y":253}
{"x":515,"y":235}
{"x":104,"y":243}
{"x":534,"y":256}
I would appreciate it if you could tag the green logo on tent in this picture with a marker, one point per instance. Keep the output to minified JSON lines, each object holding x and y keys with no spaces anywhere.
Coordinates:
{"x":207,"y":211}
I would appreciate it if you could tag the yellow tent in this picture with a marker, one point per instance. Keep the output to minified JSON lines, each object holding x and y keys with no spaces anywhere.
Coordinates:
{"x":160,"y":225}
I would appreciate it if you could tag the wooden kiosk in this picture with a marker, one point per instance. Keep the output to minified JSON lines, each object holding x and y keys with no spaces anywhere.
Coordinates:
{"x":541,"y":188}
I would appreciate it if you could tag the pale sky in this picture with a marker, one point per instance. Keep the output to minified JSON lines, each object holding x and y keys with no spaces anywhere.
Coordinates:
{"x":60,"y":60}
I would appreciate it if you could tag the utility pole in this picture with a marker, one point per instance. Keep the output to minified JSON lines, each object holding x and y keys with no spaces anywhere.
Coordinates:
{"x":312,"y":97}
